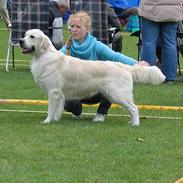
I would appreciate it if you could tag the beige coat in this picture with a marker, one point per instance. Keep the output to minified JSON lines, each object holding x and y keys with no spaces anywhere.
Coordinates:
{"x":161,"y":10}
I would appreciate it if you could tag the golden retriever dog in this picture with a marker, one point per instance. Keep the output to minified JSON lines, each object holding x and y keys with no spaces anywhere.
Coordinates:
{"x":64,"y":77}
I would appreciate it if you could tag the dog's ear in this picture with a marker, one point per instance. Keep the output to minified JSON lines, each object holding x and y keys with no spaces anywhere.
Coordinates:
{"x":45,"y":43}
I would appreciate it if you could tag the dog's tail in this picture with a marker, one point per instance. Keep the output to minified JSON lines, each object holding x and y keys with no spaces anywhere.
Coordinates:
{"x":145,"y":74}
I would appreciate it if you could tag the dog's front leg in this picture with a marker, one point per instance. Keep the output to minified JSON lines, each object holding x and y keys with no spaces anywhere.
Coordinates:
{"x":134,"y":112}
{"x":55,"y":106}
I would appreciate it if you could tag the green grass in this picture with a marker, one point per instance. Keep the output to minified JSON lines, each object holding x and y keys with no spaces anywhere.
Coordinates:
{"x":80,"y":151}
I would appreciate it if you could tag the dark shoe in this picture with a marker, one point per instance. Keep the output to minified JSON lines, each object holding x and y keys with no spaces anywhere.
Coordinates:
{"x":169,"y":82}
{"x":179,"y":79}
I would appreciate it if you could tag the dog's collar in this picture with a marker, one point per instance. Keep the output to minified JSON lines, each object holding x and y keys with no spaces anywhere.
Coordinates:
{"x":46,"y":75}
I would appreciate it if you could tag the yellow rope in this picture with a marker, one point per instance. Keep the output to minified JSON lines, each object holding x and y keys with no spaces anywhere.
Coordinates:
{"x":24,"y":102}
{"x":45,"y":102}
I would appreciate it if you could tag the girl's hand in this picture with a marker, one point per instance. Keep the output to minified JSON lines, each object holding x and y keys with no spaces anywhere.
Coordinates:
{"x":143,"y":63}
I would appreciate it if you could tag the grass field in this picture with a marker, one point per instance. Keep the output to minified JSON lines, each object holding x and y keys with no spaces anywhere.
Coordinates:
{"x":80,"y":151}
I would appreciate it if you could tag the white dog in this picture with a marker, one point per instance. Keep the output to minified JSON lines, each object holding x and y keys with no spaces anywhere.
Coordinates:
{"x":64,"y":77}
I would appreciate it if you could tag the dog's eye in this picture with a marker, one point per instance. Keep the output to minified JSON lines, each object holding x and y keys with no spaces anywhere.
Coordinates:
{"x":31,"y":36}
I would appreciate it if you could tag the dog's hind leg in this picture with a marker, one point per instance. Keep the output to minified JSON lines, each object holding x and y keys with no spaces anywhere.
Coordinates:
{"x":127,"y":102}
{"x":132,"y":109}
{"x":55,"y":106}
{"x":134,"y":112}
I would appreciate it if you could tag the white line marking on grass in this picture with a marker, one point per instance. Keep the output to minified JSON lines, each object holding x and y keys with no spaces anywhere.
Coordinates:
{"x":4,"y":60}
{"x":92,"y":114}
{"x":21,"y":65}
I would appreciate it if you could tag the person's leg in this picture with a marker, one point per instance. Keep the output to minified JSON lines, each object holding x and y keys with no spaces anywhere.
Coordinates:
{"x":102,"y":111}
{"x":169,"y":50}
{"x":92,"y":100}
{"x":73,"y":106}
{"x":149,"y":35}
{"x":103,"y":106}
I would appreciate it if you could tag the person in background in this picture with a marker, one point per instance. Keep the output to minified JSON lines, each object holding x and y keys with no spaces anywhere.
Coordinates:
{"x":123,"y":10}
{"x":57,"y":9}
{"x":159,"y":21}
{"x":84,"y":45}
{"x":4,"y":13}
{"x":98,"y":10}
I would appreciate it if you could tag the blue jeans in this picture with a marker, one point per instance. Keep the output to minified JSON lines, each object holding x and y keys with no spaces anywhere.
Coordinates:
{"x":163,"y":33}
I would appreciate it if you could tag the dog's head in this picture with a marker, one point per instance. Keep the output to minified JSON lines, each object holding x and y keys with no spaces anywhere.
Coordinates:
{"x":35,"y":42}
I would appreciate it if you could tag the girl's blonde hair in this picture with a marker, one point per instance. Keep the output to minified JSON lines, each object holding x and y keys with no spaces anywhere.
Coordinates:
{"x":84,"y":17}
{"x":85,"y":21}
{"x":68,"y":45}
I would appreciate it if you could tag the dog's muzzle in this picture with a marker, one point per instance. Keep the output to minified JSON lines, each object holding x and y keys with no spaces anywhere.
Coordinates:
{"x":25,"y":50}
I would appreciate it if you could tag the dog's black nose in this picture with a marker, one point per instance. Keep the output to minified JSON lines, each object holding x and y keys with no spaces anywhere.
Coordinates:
{"x":21,"y":42}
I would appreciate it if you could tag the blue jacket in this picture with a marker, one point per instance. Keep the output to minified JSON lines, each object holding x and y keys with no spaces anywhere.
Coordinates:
{"x":91,"y":49}
{"x":123,"y":4}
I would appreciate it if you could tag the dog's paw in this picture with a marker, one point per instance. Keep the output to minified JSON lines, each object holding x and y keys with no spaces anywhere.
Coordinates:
{"x":49,"y":120}
{"x":135,"y":123}
{"x":45,"y":122}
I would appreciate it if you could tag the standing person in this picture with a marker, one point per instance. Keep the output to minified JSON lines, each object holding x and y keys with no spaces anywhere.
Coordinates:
{"x":4,"y":13}
{"x":57,"y":9}
{"x":159,"y":21}
{"x":85,"y":46}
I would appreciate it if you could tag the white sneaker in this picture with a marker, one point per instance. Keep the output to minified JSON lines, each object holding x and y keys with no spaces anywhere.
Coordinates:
{"x":99,"y":117}
{"x":76,"y":117}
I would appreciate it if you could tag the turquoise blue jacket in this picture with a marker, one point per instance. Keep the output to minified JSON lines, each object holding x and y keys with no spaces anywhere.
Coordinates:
{"x":91,"y":49}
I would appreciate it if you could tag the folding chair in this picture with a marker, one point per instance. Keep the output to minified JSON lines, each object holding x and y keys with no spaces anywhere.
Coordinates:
{"x":25,"y":15}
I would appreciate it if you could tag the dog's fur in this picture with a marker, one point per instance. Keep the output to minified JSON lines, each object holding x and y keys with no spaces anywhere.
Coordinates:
{"x":65,"y":77}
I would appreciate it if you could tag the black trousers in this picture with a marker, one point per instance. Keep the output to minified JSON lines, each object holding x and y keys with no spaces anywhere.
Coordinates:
{"x":75,"y":106}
